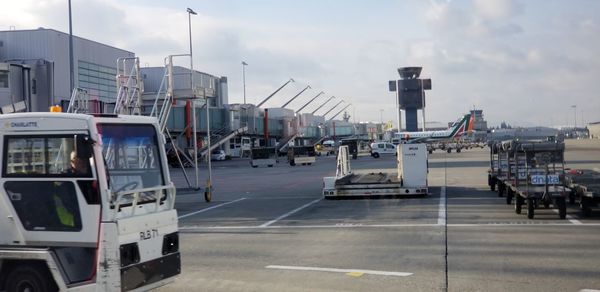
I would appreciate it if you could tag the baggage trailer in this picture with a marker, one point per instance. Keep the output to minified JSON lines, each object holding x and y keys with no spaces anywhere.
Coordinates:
{"x":263,"y":156}
{"x":86,"y":204}
{"x":410,"y":179}
{"x":585,"y":189}
{"x":499,"y":168}
{"x":537,"y":176}
{"x":302,"y":155}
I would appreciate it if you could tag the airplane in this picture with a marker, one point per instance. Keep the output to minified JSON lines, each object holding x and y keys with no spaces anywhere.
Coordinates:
{"x":458,"y":128}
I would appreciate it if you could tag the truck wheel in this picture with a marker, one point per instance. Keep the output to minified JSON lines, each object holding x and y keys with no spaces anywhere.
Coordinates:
{"x":29,"y":278}
{"x":509,"y":196}
{"x":518,"y":203}
{"x":561,"y":204}
{"x":375,"y":155}
{"x":530,"y":208}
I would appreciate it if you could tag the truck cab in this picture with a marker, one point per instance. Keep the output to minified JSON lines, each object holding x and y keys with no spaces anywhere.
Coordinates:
{"x":86,"y":204}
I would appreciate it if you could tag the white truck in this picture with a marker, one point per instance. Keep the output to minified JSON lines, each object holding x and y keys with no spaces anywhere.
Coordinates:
{"x":410,"y":178}
{"x":86,"y":204}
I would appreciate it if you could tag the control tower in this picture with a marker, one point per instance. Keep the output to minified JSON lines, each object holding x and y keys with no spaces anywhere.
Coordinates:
{"x":410,"y":94}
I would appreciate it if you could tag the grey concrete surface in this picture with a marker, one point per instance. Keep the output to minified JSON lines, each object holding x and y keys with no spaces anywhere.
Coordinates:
{"x":275,"y":216}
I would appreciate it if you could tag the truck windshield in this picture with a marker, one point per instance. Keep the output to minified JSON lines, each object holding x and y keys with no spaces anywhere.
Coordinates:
{"x":132,"y":159}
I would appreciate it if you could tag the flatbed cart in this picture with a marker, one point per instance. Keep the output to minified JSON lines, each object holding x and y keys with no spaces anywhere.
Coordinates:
{"x":538,"y":176}
{"x":585,"y":189}
{"x":263,"y":156}
{"x":301,"y":155}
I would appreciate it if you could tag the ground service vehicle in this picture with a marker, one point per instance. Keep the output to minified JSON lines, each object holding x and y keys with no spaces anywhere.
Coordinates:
{"x":304,"y":155}
{"x":585,"y":188}
{"x":86,"y":204}
{"x":536,"y":175}
{"x":382,"y":148}
{"x":352,"y":144}
{"x":263,"y":156}
{"x":410,"y":179}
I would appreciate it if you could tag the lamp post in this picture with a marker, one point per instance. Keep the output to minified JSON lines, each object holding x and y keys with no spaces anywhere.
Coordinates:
{"x":194,"y":130}
{"x":244,"y":64}
{"x":574,"y":107}
{"x":71,"y":65}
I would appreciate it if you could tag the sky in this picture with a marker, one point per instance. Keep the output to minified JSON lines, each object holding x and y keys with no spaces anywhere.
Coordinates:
{"x":528,"y":63}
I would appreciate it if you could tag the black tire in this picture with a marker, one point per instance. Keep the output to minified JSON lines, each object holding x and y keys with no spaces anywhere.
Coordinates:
{"x":292,"y":163}
{"x":493,"y":184}
{"x":518,"y":203}
{"x":254,"y":166}
{"x":561,"y":204}
{"x":509,"y":196}
{"x":430,"y":151}
{"x":572,"y":195}
{"x":375,"y":155}
{"x":585,"y":207}
{"x":458,"y":150}
{"x":530,"y":208}
{"x":547,"y":204}
{"x":29,"y":278}
{"x":449,"y":150}
{"x":208,"y":195}
{"x":354,"y":156}
{"x":501,"y":189}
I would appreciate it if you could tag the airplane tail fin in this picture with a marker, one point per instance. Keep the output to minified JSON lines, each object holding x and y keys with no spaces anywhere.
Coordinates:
{"x":465,"y":124}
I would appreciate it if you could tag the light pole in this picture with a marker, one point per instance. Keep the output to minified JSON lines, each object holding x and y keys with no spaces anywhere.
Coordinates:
{"x":194,"y":134}
{"x":71,"y":65}
{"x":244,"y":64}
{"x":381,"y":116}
{"x":575,"y":118}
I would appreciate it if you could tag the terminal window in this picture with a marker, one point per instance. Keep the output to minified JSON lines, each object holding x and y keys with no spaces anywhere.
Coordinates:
{"x":98,"y":80}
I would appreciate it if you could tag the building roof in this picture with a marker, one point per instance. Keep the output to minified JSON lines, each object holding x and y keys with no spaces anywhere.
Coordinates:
{"x":54,"y":30}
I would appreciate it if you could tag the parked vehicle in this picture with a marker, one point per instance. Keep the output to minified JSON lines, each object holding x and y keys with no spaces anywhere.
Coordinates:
{"x":382,"y":148}
{"x":218,"y":154}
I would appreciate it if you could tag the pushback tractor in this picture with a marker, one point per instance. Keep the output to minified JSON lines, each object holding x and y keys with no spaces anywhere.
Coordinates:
{"x":86,"y":204}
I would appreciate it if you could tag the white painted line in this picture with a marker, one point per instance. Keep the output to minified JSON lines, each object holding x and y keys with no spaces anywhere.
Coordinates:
{"x":589,"y":290}
{"x":463,"y":225}
{"x":209,"y":208}
{"x":317,"y":269}
{"x":442,"y":210}
{"x":570,"y":218}
{"x":290,"y":213}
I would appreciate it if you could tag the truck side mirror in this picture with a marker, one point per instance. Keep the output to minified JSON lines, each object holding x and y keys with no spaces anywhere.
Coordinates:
{"x":83,"y":146}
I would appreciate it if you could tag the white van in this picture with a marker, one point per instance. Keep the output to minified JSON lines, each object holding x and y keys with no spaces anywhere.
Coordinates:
{"x":381,"y":148}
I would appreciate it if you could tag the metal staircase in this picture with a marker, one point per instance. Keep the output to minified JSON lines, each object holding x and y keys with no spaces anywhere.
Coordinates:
{"x":221,"y":138}
{"x":79,"y":102}
{"x":130,"y":87}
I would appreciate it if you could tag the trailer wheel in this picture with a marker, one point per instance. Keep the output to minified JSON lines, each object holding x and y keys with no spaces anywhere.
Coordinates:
{"x":518,"y":203}
{"x":530,"y":208}
{"x":585,"y":207}
{"x":572,"y":197}
{"x":449,"y":150}
{"x":292,"y":162}
{"x":458,"y":150}
{"x":254,"y":166}
{"x":430,"y":151}
{"x":501,"y":189}
{"x":354,"y":156}
{"x":270,"y":165}
{"x":562,"y":208}
{"x":29,"y":278}
{"x":547,"y":204}
{"x":509,"y":196}
{"x":493,"y":184}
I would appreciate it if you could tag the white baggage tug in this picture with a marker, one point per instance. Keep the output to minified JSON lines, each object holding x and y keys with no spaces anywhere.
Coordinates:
{"x":86,"y":204}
